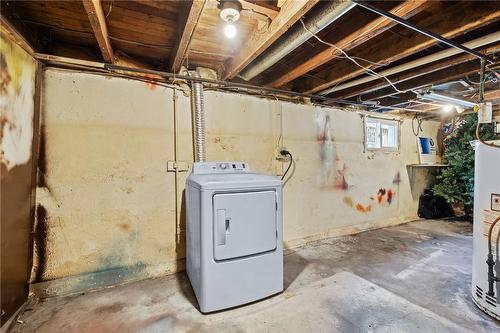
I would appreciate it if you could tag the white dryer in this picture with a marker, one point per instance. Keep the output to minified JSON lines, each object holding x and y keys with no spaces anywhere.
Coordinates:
{"x":234,"y":234}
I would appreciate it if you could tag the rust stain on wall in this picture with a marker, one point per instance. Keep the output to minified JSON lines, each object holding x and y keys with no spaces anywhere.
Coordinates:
{"x":380,"y":195}
{"x":348,"y":201}
{"x":363,"y":209}
{"x":390,"y":194}
{"x":340,"y":179}
{"x":383,"y":195}
{"x":125,"y":226}
{"x":397,"y":178}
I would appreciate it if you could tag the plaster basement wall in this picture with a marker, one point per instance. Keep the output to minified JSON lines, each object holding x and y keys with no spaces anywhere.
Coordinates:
{"x":108,"y":202}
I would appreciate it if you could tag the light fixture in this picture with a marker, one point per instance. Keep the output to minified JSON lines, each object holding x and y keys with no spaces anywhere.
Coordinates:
{"x":230,"y":13}
{"x":448,"y":108}
{"x":230,"y":30}
{"x":446,"y":99}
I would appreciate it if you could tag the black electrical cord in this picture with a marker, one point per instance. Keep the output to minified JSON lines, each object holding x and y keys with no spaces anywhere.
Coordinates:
{"x":286,"y":153}
{"x":419,"y":125}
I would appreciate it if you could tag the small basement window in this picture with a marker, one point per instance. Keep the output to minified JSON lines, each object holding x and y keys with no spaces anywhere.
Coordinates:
{"x":381,"y":134}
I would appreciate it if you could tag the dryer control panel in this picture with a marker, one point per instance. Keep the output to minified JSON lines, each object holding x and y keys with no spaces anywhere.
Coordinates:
{"x":220,"y":167}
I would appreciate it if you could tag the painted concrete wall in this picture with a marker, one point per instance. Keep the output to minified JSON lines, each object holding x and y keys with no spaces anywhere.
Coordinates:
{"x":17,"y":118}
{"x":109,"y":203}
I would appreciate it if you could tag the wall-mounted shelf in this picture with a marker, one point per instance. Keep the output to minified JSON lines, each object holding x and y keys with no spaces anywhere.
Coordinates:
{"x":427,"y":165}
{"x":436,"y":168}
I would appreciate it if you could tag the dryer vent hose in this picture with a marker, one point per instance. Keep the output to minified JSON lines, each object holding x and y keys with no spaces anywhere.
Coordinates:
{"x":198,"y":118}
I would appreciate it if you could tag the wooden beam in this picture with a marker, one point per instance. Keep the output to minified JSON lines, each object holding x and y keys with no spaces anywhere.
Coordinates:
{"x":437,"y":77}
{"x":187,"y":24}
{"x":492,"y":95}
{"x":400,"y":99}
{"x":406,"y":10}
{"x":410,"y":74}
{"x":98,"y":23}
{"x":10,"y":32}
{"x":455,"y":21}
{"x":261,"y":7}
{"x":257,"y":42}
{"x":397,"y":100}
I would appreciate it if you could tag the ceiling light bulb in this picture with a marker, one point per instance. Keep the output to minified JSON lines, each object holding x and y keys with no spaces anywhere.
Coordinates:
{"x":448,"y":108}
{"x":230,"y":30}
{"x":230,"y":10}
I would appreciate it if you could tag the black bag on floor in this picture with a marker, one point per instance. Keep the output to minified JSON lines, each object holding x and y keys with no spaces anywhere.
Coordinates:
{"x":432,"y":206}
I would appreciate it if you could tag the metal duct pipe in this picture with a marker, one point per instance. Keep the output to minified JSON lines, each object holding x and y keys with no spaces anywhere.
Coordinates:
{"x":296,"y":36}
{"x":198,"y":117}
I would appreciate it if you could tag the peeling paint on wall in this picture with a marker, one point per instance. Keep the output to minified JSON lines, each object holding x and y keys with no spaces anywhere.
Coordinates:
{"x":17,"y":89}
{"x":17,"y":110}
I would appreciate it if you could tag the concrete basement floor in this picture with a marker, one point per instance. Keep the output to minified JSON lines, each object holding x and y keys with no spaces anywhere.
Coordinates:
{"x":412,"y":277}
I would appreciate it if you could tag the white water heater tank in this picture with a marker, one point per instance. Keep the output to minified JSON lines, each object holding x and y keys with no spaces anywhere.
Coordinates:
{"x":486,"y":210}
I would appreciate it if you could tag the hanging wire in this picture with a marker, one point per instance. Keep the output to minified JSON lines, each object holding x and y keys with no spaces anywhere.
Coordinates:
{"x":416,"y":129}
{"x":268,"y":19}
{"x":110,"y":8}
{"x":369,"y":71}
{"x":128,"y":41}
{"x":279,"y":142}
{"x":285,"y":152}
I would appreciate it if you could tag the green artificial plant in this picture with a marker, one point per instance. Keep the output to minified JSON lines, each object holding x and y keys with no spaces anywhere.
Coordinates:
{"x":456,"y":181}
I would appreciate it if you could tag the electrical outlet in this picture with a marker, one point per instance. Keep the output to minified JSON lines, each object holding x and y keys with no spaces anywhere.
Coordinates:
{"x":280,"y":157}
{"x":180,"y":166}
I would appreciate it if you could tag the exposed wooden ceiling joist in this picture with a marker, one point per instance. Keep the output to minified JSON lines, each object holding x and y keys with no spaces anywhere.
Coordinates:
{"x":98,"y":23}
{"x":397,"y":100}
{"x":408,"y":97}
{"x":261,"y":7}
{"x":492,"y":95}
{"x":452,"y":23}
{"x":437,"y":77}
{"x":257,"y":42}
{"x":8,"y":29}
{"x":149,"y":30}
{"x":187,"y":23}
{"x":406,"y":9}
{"x":410,"y":74}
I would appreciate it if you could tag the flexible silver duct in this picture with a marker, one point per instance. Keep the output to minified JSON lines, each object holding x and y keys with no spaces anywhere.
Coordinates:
{"x":296,"y":36}
{"x":198,"y":118}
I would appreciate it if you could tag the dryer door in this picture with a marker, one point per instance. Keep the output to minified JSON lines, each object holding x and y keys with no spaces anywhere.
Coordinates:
{"x":244,"y":224}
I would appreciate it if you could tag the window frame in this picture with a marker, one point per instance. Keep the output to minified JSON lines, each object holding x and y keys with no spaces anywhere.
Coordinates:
{"x":381,"y":121}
